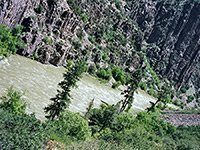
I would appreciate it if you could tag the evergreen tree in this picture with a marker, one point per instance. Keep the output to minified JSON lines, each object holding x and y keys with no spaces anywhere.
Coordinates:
{"x":132,"y":87}
{"x":164,"y":96}
{"x":62,"y":100}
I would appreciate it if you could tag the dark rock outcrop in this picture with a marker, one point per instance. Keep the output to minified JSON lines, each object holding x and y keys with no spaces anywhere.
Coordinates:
{"x":172,"y":28}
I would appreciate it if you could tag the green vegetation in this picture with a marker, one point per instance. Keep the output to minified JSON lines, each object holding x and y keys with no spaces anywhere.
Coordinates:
{"x":69,"y":127}
{"x":21,"y":131}
{"x":119,"y":75}
{"x":146,"y":131}
{"x":164,"y":96}
{"x":10,"y":41}
{"x":35,"y":56}
{"x":110,"y":126}
{"x":136,"y":77}
{"x":190,"y":98}
{"x":143,"y":86}
{"x":116,"y":84}
{"x":102,"y":118}
{"x":105,"y":73}
{"x":101,"y":128}
{"x":17,"y":129}
{"x":13,"y":102}
{"x":62,"y":99}
{"x":80,"y":34}
{"x":183,"y":90}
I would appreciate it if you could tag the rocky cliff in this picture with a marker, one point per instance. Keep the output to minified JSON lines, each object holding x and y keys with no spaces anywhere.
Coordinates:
{"x":111,"y":32}
{"x":172,"y":29}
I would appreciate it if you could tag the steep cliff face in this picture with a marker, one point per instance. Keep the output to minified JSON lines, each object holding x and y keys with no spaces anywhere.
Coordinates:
{"x":45,"y":23}
{"x":172,"y":29}
{"x":55,"y":31}
{"x":106,"y":32}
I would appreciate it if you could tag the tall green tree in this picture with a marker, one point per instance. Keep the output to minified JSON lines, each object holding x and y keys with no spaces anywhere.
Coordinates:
{"x":62,"y":100}
{"x":164,"y":96}
{"x":132,"y":87}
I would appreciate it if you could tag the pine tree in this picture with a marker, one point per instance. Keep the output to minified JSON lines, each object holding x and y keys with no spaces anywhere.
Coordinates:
{"x":132,"y":87}
{"x":62,"y":100}
{"x":164,"y":96}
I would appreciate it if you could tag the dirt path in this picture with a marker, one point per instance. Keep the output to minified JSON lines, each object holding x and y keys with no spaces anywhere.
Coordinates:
{"x":182,"y":119}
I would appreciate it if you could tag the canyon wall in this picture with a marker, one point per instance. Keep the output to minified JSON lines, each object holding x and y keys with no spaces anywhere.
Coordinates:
{"x":172,"y":29}
{"x":111,"y":32}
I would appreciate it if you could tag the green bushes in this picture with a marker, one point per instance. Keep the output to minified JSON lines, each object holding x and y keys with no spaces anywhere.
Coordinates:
{"x":190,"y":99}
{"x":183,"y":90}
{"x":141,"y":132}
{"x":9,"y":40}
{"x":116,"y":84}
{"x":152,"y":92}
{"x":152,"y":123}
{"x":17,"y":129}
{"x":21,"y":131}
{"x":118,"y":75}
{"x":101,"y":118}
{"x":80,"y":34}
{"x":70,"y":126}
{"x":13,"y":102}
{"x":143,"y":86}
{"x":105,"y":74}
{"x":84,"y":17}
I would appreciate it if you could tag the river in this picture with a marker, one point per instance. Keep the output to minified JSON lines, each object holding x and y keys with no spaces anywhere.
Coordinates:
{"x":40,"y":82}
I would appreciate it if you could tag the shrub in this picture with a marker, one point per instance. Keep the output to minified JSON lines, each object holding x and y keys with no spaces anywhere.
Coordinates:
{"x":116,"y":84}
{"x":102,"y":118}
{"x":86,"y":68}
{"x":143,"y":86}
{"x":13,"y":102}
{"x":183,"y":90}
{"x":84,"y":18}
{"x":176,"y":102}
{"x":152,"y":123}
{"x":70,"y":126}
{"x":21,"y":131}
{"x":104,"y":73}
{"x":118,"y":75}
{"x":190,"y":99}
{"x":140,"y":132}
{"x":151,"y":91}
{"x":10,"y":41}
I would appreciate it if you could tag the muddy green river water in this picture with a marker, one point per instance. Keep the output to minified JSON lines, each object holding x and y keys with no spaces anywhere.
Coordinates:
{"x":40,"y":82}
